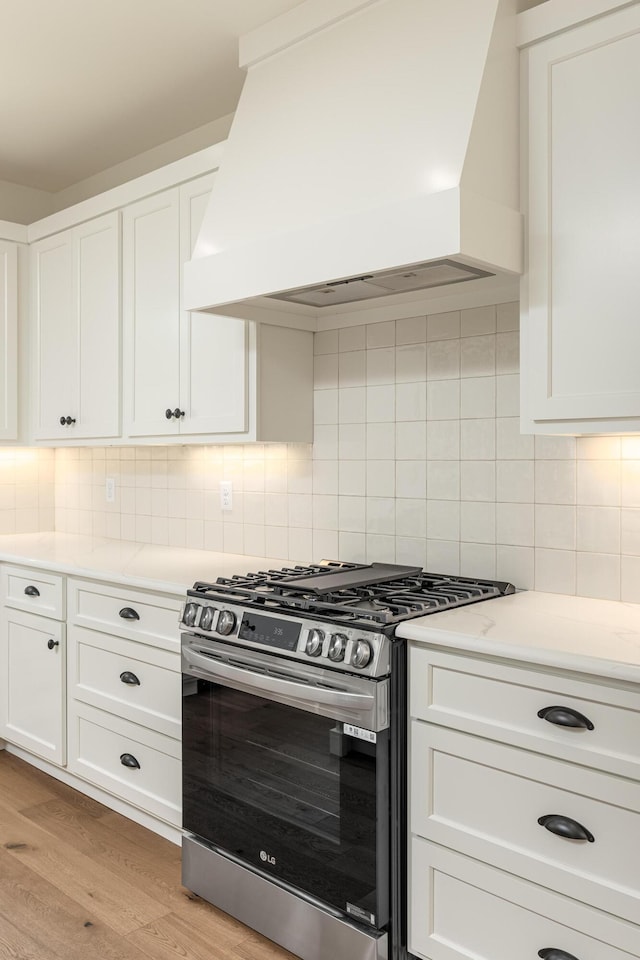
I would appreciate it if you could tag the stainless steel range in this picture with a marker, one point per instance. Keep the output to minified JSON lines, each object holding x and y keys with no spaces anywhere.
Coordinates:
{"x":294,"y":747}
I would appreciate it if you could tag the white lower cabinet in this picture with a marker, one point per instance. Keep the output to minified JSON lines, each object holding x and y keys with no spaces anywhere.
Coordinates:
{"x":32,"y":684}
{"x":462,"y":908}
{"x":100,"y":693}
{"x":132,"y":762}
{"x":514,"y":852}
{"x":125,"y":694}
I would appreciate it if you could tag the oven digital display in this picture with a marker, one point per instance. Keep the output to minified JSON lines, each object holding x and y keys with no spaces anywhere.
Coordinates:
{"x":283,"y":634}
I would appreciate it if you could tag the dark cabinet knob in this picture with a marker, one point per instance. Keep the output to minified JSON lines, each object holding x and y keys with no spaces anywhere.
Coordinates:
{"x":552,"y":953}
{"x":32,"y":591}
{"x":128,"y":760}
{"x":565,"y":717}
{"x":67,"y":421}
{"x":130,"y":678}
{"x":128,"y":613}
{"x":178,"y":413}
{"x":63,"y":421}
{"x":52,"y":644}
{"x":168,"y":413}
{"x":565,"y":827}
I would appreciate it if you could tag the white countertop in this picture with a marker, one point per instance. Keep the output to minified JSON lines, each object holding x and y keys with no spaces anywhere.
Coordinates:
{"x":163,"y":569}
{"x":600,"y":637}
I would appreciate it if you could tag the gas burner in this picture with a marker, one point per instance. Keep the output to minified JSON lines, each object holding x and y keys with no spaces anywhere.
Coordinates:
{"x":375,"y":595}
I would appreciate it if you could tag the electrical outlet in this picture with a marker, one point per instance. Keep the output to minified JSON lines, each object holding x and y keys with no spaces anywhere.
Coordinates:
{"x":110,"y":490}
{"x":226,"y":495}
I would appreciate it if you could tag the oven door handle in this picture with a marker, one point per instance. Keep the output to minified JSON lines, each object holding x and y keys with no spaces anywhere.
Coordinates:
{"x":366,"y":710}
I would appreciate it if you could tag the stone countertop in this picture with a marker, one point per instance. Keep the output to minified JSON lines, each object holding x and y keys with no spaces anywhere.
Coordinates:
{"x":599,"y":637}
{"x":169,"y":570}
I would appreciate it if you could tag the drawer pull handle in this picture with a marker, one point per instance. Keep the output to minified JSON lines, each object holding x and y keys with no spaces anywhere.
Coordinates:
{"x":128,"y":613}
{"x":32,"y":591}
{"x":552,"y":953}
{"x":52,"y":644}
{"x":128,"y":760}
{"x":130,"y":678}
{"x":565,"y":827}
{"x":565,"y":717}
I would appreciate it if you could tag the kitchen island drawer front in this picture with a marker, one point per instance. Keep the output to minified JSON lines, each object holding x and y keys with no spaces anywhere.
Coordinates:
{"x":487,"y":799}
{"x":33,"y":591}
{"x":127,"y":678}
{"x":504,"y":917}
{"x":591,"y":723}
{"x":129,"y":761}
{"x":146,"y":617}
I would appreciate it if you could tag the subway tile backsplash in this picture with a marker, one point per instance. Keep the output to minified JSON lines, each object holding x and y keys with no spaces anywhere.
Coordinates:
{"x":417,"y":458}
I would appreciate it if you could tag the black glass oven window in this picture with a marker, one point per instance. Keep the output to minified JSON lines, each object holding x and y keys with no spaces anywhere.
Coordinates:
{"x":270,"y":631}
{"x":288,"y":792}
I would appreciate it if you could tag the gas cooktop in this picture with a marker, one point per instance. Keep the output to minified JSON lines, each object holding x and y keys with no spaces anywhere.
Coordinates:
{"x":371,"y":596}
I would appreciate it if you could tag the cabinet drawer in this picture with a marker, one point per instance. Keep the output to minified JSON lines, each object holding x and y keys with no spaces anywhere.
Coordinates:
{"x":486,"y":799}
{"x":33,"y":591}
{"x":127,"y":678}
{"x":461,"y":908}
{"x":502,"y":702}
{"x":98,"y":744}
{"x":146,"y":617}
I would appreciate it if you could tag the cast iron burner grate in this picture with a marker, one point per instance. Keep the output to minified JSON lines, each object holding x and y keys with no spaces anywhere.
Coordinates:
{"x":298,"y":589}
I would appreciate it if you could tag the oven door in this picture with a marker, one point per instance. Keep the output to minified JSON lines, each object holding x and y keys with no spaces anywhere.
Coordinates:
{"x":286,"y":768}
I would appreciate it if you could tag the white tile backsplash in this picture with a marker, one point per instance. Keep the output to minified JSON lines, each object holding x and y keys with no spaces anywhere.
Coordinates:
{"x":418,"y":457}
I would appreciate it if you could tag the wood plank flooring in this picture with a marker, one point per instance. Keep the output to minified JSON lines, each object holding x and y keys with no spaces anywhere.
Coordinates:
{"x":78,"y":882}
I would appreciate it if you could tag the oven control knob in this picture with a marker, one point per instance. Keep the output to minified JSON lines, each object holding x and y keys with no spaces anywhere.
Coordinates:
{"x":190,"y":614}
{"x":362,"y":654}
{"x":206,"y":618}
{"x":337,"y":647}
{"x":226,"y":622}
{"x":313,"y":646}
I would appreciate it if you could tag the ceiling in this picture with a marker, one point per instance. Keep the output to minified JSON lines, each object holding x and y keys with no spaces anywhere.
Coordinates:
{"x":87,"y":84}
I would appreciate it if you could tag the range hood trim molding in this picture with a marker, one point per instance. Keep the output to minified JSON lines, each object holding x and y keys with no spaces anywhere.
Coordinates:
{"x":433,"y":227}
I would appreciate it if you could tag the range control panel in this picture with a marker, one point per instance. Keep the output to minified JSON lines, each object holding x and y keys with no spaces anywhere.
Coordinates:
{"x":339,"y":646}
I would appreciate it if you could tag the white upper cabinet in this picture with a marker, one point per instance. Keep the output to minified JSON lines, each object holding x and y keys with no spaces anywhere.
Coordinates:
{"x":213,"y":350}
{"x":581,"y":294}
{"x":8,"y":340}
{"x":150,"y":309}
{"x":76,"y":299}
{"x":194,"y":376}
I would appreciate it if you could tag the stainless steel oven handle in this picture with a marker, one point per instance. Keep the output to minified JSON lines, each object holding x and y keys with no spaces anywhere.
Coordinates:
{"x":338,"y":704}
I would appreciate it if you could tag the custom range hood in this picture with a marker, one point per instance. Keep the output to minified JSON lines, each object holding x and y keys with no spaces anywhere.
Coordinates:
{"x":374,"y":153}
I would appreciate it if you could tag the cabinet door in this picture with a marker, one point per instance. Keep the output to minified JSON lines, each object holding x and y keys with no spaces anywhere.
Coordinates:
{"x":151,"y":314}
{"x":581,"y":336}
{"x":32,"y":684}
{"x":8,"y":340}
{"x":96,"y":248}
{"x":77,"y":320}
{"x":213,"y":350}
{"x":56,"y":336}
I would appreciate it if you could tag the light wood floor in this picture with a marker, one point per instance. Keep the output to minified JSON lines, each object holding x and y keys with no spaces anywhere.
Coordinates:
{"x":78,"y":882}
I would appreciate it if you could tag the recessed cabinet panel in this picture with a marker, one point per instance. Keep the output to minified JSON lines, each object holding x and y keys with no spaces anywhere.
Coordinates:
{"x":57,"y":336}
{"x":8,"y":341}
{"x":97,"y":259}
{"x":32,"y":689}
{"x":581,"y":335}
{"x":151,"y":308}
{"x":214,"y":350}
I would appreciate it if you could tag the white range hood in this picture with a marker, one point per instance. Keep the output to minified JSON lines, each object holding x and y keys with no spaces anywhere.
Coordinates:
{"x":375,"y":142}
